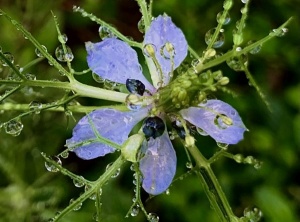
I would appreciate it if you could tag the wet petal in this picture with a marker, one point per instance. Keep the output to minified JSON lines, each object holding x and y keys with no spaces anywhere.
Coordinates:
{"x":161,"y":31}
{"x":110,"y":124}
{"x":158,"y":166}
{"x":217,"y":119}
{"x":115,"y":60}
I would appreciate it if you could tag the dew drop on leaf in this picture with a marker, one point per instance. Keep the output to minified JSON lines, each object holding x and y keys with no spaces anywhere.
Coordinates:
{"x":77,"y":207}
{"x":63,"y":38}
{"x":52,"y":168}
{"x":64,"y":56}
{"x":9,"y":57}
{"x":225,"y":20}
{"x":152,"y":217}
{"x":219,"y":41}
{"x":38,"y":52}
{"x":135,"y":211}
{"x":78,"y":183}
{"x":104,"y":33}
{"x":35,"y":107}
{"x":13,"y":127}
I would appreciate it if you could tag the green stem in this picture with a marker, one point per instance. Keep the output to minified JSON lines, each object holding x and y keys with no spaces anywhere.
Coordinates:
{"x":232,"y":53}
{"x":94,"y":187}
{"x":212,"y":187}
{"x":80,"y":88}
{"x":145,"y":13}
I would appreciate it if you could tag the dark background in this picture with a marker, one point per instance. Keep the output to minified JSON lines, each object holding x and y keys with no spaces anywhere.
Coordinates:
{"x":29,"y":193}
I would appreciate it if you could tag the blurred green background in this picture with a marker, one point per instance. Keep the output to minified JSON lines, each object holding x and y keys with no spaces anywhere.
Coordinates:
{"x":29,"y":193}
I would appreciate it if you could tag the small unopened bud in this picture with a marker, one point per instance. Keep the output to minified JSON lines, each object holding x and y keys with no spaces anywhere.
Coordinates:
{"x":223,"y":81}
{"x":182,"y":94}
{"x":189,"y":140}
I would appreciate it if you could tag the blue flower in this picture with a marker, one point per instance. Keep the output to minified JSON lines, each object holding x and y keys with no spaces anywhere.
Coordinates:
{"x":165,"y":48}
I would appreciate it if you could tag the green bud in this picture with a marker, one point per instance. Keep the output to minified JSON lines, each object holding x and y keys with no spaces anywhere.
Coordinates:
{"x":182,"y":95}
{"x":223,"y":81}
{"x":227,"y":4}
{"x":238,"y":39}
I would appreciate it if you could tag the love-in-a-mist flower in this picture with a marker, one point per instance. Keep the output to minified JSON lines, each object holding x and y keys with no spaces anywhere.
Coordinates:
{"x":165,"y":48}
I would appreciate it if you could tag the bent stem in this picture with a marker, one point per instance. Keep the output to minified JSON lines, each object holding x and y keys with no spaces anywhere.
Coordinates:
{"x":212,"y":187}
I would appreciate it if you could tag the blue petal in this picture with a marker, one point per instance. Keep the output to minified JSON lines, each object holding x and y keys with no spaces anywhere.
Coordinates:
{"x":111,"y":124}
{"x":158,"y":166}
{"x":207,"y":117}
{"x":161,"y":31}
{"x":115,"y":60}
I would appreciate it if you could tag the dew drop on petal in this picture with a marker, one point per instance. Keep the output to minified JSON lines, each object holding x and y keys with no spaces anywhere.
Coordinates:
{"x":52,"y":168}
{"x":167,"y":51}
{"x":13,"y":127}
{"x":152,"y":217}
{"x":219,"y":40}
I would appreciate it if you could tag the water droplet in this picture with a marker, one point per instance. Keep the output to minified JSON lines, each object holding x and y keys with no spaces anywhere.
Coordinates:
{"x":63,"y":38}
{"x":105,"y":32}
{"x":279,"y":32}
{"x":38,"y":52}
{"x":9,"y":57}
{"x":13,"y":127}
{"x":237,"y":24}
{"x":219,"y":41}
{"x":223,"y":146}
{"x":62,"y":56}
{"x":189,"y":165}
{"x":97,"y":78}
{"x":225,"y":20}
{"x":50,"y":220}
{"x":35,"y":107}
{"x":152,"y":217}
{"x":222,"y":121}
{"x":116,"y":173}
{"x":244,"y":1}
{"x":237,"y":63}
{"x":167,"y":51}
{"x":77,"y":207}
{"x":52,"y":168}
{"x":30,"y":76}
{"x":135,"y":211}
{"x":141,"y":25}
{"x":167,"y":192}
{"x":78,"y":183}
{"x":133,"y":101}
{"x":256,"y":49}
{"x":65,"y":154}
{"x":201,"y":132}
